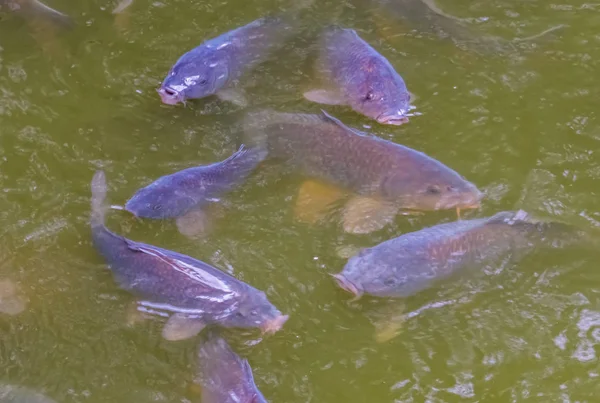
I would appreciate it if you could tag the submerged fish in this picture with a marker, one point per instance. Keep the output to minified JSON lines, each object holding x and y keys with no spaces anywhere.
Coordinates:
{"x":355,"y":74}
{"x":412,"y":262}
{"x":384,"y":177}
{"x":425,"y":16}
{"x":177,"y":194}
{"x":197,"y":293}
{"x":216,"y":66}
{"x":31,"y":9}
{"x":223,"y":375}
{"x":21,"y":394}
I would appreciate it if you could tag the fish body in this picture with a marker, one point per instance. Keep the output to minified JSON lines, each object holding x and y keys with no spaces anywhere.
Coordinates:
{"x":177,"y":194}
{"x":322,"y":147}
{"x":224,"y":376}
{"x":412,"y":262}
{"x":186,"y":286}
{"x":355,"y":74}
{"x":217,"y":64}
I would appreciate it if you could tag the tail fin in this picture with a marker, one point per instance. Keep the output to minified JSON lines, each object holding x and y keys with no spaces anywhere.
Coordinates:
{"x":299,"y":5}
{"x":98,"y":199}
{"x":38,"y":8}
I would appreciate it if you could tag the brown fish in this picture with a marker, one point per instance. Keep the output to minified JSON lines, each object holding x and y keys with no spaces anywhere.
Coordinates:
{"x":383,"y":176}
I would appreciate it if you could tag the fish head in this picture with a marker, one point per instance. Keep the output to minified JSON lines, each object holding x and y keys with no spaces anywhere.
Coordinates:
{"x":160,"y":201}
{"x":432,"y":189}
{"x":380,"y":93}
{"x":256,"y":311}
{"x":193,"y":77}
{"x":377,"y":272}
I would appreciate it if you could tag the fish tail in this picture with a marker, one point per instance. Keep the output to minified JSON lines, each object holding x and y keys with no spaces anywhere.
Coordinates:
{"x":254,"y":135}
{"x":40,"y":9}
{"x":99,"y":187}
{"x":299,"y":5}
{"x":245,"y":160}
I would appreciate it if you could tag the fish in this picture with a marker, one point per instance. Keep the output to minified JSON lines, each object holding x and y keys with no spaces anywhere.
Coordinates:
{"x":17,"y":394}
{"x":425,"y":16}
{"x":177,"y":194}
{"x":383,"y":177}
{"x":196,"y":293}
{"x":353,"y":73}
{"x":216,"y":66}
{"x":403,"y":266}
{"x":223,"y":375}
{"x":33,"y":9}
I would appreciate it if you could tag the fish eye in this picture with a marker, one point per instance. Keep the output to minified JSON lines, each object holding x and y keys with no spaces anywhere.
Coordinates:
{"x":433,"y":190}
{"x":157,"y":207}
{"x":203,"y":81}
{"x":370,"y":96}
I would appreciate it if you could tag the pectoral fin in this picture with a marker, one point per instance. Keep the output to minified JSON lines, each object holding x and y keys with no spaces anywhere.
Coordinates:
{"x":133,"y":315}
{"x":11,"y":301}
{"x":181,"y":327}
{"x":314,"y":200}
{"x":322,"y":96}
{"x":388,"y":322}
{"x":235,"y":96}
{"x":363,"y":215}
{"x":194,"y":224}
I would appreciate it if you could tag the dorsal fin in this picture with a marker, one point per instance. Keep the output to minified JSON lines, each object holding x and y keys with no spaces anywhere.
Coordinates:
{"x":510,"y":217}
{"x":331,"y":119}
{"x":196,"y":270}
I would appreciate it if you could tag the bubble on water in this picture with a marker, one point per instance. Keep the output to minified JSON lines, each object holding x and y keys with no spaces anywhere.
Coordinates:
{"x":588,"y":320}
{"x":589,"y":333}
{"x":561,"y":341}
{"x":585,"y":351}
{"x":463,"y":390}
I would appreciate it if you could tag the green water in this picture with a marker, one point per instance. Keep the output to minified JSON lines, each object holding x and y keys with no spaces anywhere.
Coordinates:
{"x":522,"y":126}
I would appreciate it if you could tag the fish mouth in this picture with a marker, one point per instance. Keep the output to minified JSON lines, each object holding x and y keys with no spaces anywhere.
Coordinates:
{"x":273,"y":325}
{"x":397,"y":117}
{"x":346,"y":285}
{"x":169,"y":96}
{"x":469,"y":199}
{"x":474,"y":201}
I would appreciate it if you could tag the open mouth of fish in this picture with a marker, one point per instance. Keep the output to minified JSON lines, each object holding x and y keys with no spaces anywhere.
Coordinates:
{"x":273,"y":325}
{"x":346,"y":285}
{"x":169,"y":96}
{"x":398,"y":117}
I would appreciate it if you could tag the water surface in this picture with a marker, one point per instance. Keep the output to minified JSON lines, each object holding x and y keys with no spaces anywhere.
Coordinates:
{"x":522,"y":126}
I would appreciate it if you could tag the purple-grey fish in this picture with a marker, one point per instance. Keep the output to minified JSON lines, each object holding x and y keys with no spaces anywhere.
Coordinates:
{"x":175,"y":195}
{"x":34,"y":9}
{"x":195,"y":293}
{"x":216,"y":66}
{"x":224,"y":376}
{"x":412,"y":262}
{"x":383,"y":177}
{"x":353,"y":73}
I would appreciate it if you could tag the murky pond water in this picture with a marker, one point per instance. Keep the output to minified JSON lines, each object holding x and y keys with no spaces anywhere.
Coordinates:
{"x":522,"y":125}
